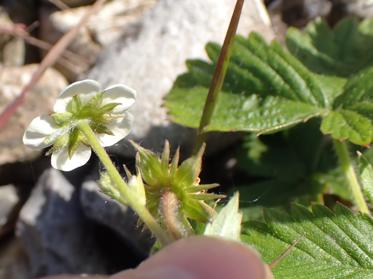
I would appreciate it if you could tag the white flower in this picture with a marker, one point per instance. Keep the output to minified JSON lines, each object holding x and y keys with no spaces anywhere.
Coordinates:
{"x":105,"y":110}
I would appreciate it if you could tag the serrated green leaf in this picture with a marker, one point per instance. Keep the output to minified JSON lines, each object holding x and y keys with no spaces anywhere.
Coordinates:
{"x":352,"y":118}
{"x":267,"y":89}
{"x":366,"y":176}
{"x":271,"y":157}
{"x":343,"y":50}
{"x":358,"y":89}
{"x":239,"y":113}
{"x":283,"y":171}
{"x":331,"y":245}
{"x":227,"y":223}
{"x":348,"y":125}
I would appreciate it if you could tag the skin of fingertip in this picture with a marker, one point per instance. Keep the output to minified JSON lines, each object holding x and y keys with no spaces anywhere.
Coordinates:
{"x":198,"y":258}
{"x":205,"y":258}
{"x":77,"y":277}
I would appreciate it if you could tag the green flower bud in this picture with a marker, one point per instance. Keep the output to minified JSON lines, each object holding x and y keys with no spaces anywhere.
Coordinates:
{"x":173,"y":192}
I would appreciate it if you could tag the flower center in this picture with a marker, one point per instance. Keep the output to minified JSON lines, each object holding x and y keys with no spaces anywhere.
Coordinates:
{"x":93,"y":109}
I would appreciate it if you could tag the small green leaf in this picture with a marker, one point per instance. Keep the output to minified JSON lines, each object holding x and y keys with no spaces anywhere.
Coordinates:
{"x":100,"y":128}
{"x":136,"y":186}
{"x":95,"y":102}
{"x":358,"y":89}
{"x":332,"y":245}
{"x":366,"y":176}
{"x":150,"y":167}
{"x":61,"y":119}
{"x":197,"y":210}
{"x":108,"y":108}
{"x":283,"y":171}
{"x":343,"y":50}
{"x":74,"y":141}
{"x":348,"y":125}
{"x":271,"y":156}
{"x":107,"y":187}
{"x":227,"y":223}
{"x":352,"y":118}
{"x":74,"y":105}
{"x":189,"y":170}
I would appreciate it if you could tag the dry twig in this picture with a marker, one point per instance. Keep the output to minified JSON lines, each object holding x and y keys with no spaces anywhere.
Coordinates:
{"x":59,"y":4}
{"x":18,"y":30}
{"x":48,"y":61}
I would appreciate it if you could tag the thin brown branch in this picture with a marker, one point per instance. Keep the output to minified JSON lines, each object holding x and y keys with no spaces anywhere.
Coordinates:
{"x":219,"y":76}
{"x":47,"y":62}
{"x":19,"y":31}
{"x":59,"y":4}
{"x":284,"y":254}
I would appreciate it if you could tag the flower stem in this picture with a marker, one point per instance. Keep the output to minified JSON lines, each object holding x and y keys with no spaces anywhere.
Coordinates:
{"x":218,"y":78}
{"x":122,"y":186}
{"x":349,"y":171}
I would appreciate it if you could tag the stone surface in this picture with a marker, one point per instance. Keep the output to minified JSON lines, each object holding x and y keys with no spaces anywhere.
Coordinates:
{"x":300,"y":12}
{"x":39,"y":101}
{"x":54,"y":231}
{"x":8,"y":201}
{"x":113,"y":18}
{"x":173,"y":31}
{"x":359,"y":8}
{"x":115,"y":216}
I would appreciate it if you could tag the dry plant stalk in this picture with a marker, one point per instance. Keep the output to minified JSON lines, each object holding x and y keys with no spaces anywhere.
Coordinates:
{"x":19,"y":31}
{"x":47,"y":62}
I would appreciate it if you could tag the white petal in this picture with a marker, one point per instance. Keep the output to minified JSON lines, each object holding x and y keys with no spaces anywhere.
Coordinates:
{"x":120,"y":127}
{"x":61,"y":160}
{"x":122,"y":94}
{"x":85,"y":88}
{"x":37,"y":132}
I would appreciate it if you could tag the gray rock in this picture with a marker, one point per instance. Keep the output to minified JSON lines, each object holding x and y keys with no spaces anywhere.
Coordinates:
{"x":173,"y":31}
{"x":8,"y":199}
{"x":38,"y":101}
{"x":359,"y":8}
{"x":114,"y":18}
{"x":119,"y":218}
{"x":54,"y":231}
{"x":300,"y":12}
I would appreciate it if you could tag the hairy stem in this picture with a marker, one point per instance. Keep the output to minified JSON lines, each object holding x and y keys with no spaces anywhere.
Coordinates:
{"x":349,"y":171}
{"x":122,"y":186}
{"x":218,"y":78}
{"x":169,"y":209}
